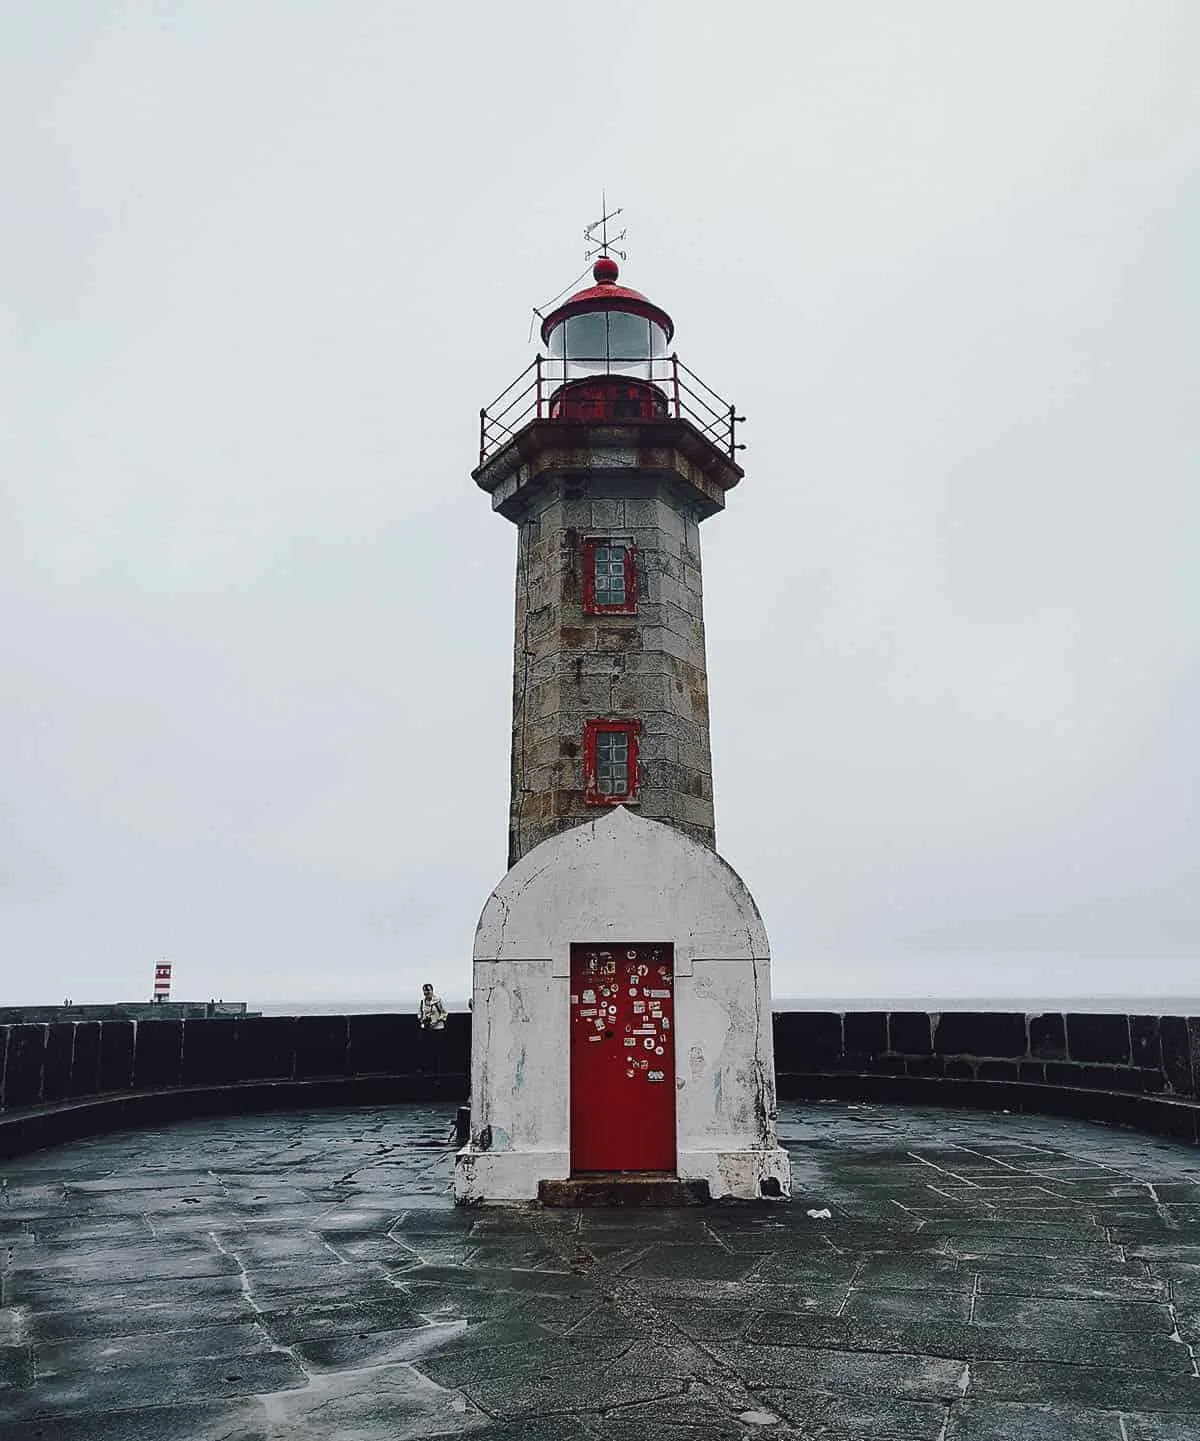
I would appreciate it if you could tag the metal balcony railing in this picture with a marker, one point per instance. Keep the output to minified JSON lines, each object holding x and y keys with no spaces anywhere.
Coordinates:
{"x":535,"y":393}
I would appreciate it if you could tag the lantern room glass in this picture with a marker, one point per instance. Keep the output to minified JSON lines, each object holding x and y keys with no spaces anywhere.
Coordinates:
{"x":605,"y":342}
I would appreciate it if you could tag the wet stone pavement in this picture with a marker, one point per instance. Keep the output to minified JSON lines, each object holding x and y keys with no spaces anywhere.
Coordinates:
{"x":302,"y":1276}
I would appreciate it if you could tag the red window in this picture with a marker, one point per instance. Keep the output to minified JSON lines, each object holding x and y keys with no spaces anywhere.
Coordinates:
{"x":610,"y":761}
{"x":609,"y":577}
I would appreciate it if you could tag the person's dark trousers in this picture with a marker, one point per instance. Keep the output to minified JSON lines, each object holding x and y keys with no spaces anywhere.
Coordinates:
{"x":429,"y":1053}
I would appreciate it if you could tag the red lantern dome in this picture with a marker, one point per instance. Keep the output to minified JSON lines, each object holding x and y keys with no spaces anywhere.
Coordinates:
{"x":608,"y":352}
{"x":607,"y":297}
{"x":607,"y":359}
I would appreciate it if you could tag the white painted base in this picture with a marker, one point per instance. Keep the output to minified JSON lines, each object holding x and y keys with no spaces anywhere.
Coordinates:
{"x":738,"y":1175}
{"x":506,"y":1176}
{"x":512,"y":1176}
{"x":620,"y":877}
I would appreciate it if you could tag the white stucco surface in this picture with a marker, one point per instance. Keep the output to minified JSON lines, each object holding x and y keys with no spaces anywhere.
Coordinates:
{"x":621,"y":878}
{"x":606,"y":878}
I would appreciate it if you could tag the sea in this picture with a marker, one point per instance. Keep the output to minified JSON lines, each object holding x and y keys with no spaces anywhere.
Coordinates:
{"x":1031,"y":1005}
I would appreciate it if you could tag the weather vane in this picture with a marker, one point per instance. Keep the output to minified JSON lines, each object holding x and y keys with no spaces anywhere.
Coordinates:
{"x":604,"y":244}
{"x":597,"y":245}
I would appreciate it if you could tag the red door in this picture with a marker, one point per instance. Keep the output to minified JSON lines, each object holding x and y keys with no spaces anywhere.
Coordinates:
{"x":622,"y":1058}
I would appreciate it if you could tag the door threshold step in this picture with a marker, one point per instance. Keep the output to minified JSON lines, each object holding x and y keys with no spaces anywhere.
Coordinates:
{"x":624,"y":1188}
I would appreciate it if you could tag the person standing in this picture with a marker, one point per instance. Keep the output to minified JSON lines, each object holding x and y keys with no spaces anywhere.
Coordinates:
{"x":431,"y":1023}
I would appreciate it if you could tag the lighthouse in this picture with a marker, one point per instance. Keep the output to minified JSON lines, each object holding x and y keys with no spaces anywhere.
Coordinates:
{"x":621,"y":972}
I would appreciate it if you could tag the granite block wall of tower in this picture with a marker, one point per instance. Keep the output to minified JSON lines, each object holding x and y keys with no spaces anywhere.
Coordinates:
{"x":570,"y":666}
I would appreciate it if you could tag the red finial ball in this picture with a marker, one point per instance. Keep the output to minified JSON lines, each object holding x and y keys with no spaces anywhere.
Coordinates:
{"x":605,"y":270}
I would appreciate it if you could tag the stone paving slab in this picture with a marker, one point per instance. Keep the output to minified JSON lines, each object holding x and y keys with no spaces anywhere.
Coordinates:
{"x":81,"y":1357}
{"x":305,"y":1276}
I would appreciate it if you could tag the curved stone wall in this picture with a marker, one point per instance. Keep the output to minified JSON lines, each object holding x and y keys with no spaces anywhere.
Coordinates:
{"x":1130,"y":1069}
{"x":1136,"y":1054}
{"x":66,"y":1078}
{"x":59,"y":1080}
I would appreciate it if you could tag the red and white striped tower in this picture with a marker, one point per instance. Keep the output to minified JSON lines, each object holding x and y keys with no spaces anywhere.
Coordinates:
{"x":162,"y":981}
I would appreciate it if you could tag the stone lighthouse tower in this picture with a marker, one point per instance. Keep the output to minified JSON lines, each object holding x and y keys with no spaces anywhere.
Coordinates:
{"x":622,"y":1014}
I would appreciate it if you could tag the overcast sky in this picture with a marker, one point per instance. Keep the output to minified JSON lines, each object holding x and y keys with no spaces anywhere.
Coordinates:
{"x":262,"y":263}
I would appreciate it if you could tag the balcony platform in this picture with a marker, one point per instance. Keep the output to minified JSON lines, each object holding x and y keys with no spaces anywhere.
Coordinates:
{"x":668,"y":449}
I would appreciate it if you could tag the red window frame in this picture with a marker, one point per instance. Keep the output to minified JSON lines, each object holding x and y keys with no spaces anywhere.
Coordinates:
{"x":592,"y":729}
{"x":591,"y":606}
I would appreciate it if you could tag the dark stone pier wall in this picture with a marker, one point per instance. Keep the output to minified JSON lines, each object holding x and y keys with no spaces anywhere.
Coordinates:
{"x":64,"y":1079}
{"x":1139,"y":1054}
{"x":1141,"y":1071}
